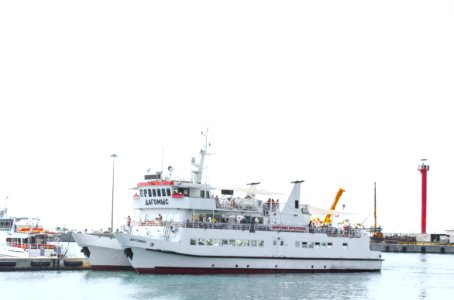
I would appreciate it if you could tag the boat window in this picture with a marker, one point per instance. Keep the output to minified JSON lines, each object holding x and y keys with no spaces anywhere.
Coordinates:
{"x":208,"y":194}
{"x":323,"y":245}
{"x":231,"y":242}
{"x":159,"y":192}
{"x":274,"y":243}
{"x":144,"y":193}
{"x":201,"y":242}
{"x":209,"y":242}
{"x":216,"y":243}
{"x":304,"y":245}
{"x":297,"y":244}
{"x":282,"y":243}
{"x":261,"y":243}
{"x":141,"y":193}
{"x":317,"y":245}
{"x":296,"y":204}
{"x":304,"y":210}
{"x":193,"y":242}
{"x":310,"y":245}
{"x":239,"y":243}
{"x":253,"y":243}
{"x":345,"y":245}
{"x":163,"y":192}
{"x":168,"y":192}
{"x":246,"y":243}
{"x":149,"y":192}
{"x":227,"y":192}
{"x":202,"y":194}
{"x":330,"y":245}
{"x":154,"y":193}
{"x":225,"y":242}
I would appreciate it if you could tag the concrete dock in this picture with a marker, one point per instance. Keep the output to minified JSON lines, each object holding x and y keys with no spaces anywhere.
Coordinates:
{"x":413,"y":248}
{"x":43,"y":263}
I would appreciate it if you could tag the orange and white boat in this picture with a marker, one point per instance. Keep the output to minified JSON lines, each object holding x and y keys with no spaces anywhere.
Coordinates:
{"x":24,"y":237}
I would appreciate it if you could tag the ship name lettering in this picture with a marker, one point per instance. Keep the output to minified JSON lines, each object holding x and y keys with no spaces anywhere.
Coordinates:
{"x":157,"y":202}
{"x":137,"y":240}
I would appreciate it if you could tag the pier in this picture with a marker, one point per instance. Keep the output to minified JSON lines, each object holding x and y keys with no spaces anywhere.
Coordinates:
{"x":42,"y":263}
{"x":413,"y":248}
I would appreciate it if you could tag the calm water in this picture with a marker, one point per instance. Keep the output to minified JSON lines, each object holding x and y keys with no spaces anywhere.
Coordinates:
{"x":404,"y":276}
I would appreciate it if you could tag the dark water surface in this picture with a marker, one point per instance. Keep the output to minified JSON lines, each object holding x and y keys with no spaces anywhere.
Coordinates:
{"x":404,"y":276}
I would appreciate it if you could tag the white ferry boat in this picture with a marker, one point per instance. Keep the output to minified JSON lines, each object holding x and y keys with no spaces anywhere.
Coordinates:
{"x":102,"y":251}
{"x":185,"y":229}
{"x":24,"y":237}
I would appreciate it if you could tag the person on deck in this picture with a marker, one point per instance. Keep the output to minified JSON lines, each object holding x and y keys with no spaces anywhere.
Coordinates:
{"x":268,"y":203}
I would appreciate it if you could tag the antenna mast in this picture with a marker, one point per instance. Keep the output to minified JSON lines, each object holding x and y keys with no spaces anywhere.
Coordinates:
{"x":197,"y":174}
{"x":375,"y":207}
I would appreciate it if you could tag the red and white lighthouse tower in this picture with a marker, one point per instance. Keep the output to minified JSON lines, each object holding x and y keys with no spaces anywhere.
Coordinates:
{"x":423,"y":168}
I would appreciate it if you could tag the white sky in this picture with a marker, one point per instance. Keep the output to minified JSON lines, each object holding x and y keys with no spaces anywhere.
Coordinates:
{"x":338,"y":93}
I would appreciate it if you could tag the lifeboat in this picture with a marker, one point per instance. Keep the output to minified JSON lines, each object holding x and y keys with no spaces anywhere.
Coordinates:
{"x":177,"y":195}
{"x":162,"y":182}
{"x":155,"y":183}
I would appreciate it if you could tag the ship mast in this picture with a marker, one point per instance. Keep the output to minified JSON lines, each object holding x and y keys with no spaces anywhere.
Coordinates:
{"x":197,"y":174}
{"x":375,"y":208}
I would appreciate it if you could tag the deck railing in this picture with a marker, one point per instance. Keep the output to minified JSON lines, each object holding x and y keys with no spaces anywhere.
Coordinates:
{"x":328,"y":230}
{"x":31,"y":246}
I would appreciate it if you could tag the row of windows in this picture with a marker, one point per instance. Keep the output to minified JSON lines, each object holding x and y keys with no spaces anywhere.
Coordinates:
{"x":166,"y":192}
{"x":326,"y":245}
{"x":155,"y":192}
{"x":234,"y":243}
{"x":260,"y":243}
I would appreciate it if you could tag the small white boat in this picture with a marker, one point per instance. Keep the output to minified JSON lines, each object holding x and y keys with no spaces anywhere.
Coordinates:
{"x":24,"y":237}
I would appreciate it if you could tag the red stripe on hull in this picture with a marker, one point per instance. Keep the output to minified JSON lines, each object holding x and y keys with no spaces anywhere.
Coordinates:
{"x":111,"y":268}
{"x":200,"y":271}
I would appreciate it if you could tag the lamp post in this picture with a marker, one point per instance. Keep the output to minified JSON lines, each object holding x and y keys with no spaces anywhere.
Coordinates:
{"x":113,"y":181}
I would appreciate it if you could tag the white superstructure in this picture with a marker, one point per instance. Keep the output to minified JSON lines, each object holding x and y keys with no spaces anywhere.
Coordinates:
{"x":184,"y":228}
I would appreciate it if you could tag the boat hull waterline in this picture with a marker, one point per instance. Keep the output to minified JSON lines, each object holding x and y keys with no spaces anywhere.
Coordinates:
{"x":148,"y":255}
{"x":169,"y":263}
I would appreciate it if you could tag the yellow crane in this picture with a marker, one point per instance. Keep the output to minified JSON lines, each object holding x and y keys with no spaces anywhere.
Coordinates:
{"x":378,"y":235}
{"x":328,"y":219}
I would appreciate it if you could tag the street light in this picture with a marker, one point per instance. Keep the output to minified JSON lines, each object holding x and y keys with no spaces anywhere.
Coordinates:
{"x":113,"y":181}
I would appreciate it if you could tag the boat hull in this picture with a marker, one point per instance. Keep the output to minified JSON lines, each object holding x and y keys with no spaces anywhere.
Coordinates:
{"x":7,"y":251}
{"x":104,"y":253}
{"x":158,"y":256}
{"x":157,"y":262}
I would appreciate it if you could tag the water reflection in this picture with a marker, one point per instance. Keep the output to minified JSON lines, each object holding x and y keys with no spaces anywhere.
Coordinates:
{"x":407,"y":276}
{"x":423,"y":267}
{"x":423,"y":258}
